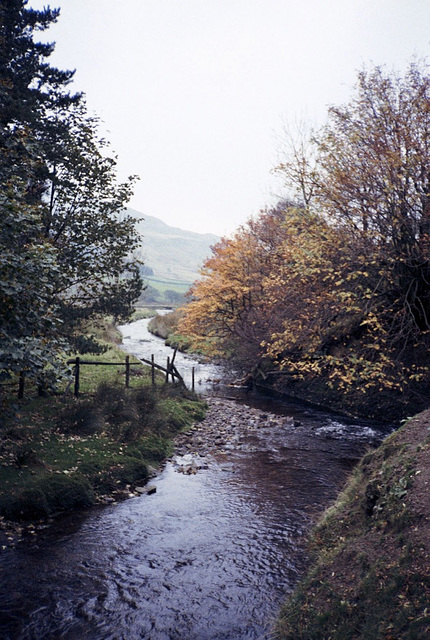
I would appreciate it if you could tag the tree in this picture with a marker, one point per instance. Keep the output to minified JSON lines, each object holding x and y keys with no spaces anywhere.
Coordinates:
{"x":227,"y":313}
{"x":66,"y":255}
{"x":371,"y":184}
{"x":375,"y":178}
{"x":30,"y":88}
{"x":82,"y":220}
{"x":29,"y":327}
{"x":173,"y":297}
{"x":320,"y":293}
{"x":299,"y":167}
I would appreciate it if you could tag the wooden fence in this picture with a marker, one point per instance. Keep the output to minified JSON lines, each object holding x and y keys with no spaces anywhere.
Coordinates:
{"x":169,"y":370}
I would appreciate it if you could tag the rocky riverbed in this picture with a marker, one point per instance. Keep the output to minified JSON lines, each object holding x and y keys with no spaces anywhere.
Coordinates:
{"x":210,"y":551}
{"x":226,"y":427}
{"x":232,"y":426}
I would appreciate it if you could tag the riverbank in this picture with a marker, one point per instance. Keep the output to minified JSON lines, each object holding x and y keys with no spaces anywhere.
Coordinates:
{"x":61,"y":453}
{"x":370,"y":553}
{"x":85,"y":468}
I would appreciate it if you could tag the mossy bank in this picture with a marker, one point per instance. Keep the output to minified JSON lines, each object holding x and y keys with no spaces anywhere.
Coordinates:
{"x":369,"y":569}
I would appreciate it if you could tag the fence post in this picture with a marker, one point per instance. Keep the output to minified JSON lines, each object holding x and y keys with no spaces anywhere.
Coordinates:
{"x":77,"y":361}
{"x":152,"y":369}
{"x":167,"y":369}
{"x":21,"y":385}
{"x":174,"y":356}
{"x":127,"y":372}
{"x":192,"y":378}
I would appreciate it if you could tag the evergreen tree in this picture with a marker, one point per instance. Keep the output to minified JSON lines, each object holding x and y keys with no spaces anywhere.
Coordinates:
{"x":29,"y":85}
{"x":29,"y":324}
{"x":64,"y":252}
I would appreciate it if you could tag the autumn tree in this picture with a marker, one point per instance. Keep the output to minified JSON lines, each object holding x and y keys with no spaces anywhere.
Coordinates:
{"x":374,"y":177}
{"x":226,"y":315}
{"x":371,"y":183}
{"x":322,"y":294}
{"x":336,"y":291}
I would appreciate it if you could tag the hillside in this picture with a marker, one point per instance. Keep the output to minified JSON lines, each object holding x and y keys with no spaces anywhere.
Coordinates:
{"x":369,"y":579}
{"x":174,"y":255}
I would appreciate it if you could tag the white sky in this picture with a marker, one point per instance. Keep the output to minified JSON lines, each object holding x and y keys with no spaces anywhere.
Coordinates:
{"x":195,"y":93}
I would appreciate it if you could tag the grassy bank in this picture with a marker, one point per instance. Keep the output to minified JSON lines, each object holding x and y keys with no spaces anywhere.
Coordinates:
{"x":369,"y":577}
{"x":61,"y":452}
{"x":165,"y":327}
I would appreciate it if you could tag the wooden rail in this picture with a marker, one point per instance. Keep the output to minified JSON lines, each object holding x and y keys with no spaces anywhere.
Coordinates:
{"x":170,"y":371}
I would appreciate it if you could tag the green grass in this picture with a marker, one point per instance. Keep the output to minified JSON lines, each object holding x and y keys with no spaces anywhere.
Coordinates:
{"x":60,"y":452}
{"x":164,"y":285}
{"x":93,"y":375}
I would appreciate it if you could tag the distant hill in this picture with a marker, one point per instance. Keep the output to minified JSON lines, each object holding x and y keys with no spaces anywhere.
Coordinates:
{"x":173,"y":254}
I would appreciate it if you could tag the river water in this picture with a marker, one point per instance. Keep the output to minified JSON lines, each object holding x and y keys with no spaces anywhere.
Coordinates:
{"x":138,"y":341}
{"x":209,"y":556}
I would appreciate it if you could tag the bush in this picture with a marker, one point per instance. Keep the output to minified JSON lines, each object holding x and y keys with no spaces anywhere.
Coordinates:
{"x":64,"y":493}
{"x":114,"y":403}
{"x":132,"y":471}
{"x":127,"y":414}
{"x":155,"y":448}
{"x":24,"y":505}
{"x":81,"y":419}
{"x":145,"y":400}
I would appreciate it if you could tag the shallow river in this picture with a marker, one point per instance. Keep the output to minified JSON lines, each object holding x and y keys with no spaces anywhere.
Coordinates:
{"x":208,"y":556}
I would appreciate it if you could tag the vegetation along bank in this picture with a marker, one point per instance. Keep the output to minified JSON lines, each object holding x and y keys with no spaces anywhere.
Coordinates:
{"x":67,"y":261}
{"x":369,"y":575}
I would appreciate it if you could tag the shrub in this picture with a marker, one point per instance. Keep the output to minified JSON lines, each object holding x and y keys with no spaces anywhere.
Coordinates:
{"x":132,"y":471}
{"x":114,"y":402}
{"x":81,"y":419}
{"x":24,"y":505}
{"x":64,"y":493}
{"x":155,"y":448}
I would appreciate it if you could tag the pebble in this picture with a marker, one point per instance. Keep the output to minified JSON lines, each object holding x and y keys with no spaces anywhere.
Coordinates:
{"x":224,"y":428}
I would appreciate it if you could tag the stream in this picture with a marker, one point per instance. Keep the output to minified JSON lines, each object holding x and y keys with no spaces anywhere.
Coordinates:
{"x":210,"y":555}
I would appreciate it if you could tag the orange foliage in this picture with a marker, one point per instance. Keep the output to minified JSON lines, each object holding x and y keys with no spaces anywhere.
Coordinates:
{"x":340,"y":286}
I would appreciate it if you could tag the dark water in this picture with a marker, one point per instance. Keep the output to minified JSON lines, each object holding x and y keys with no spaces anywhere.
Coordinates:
{"x":208,"y":556}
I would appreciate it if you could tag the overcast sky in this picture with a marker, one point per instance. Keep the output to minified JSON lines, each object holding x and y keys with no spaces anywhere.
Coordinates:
{"x":195,"y":93}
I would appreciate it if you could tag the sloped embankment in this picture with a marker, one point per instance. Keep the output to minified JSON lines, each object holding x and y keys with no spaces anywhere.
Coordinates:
{"x":369,"y":575}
